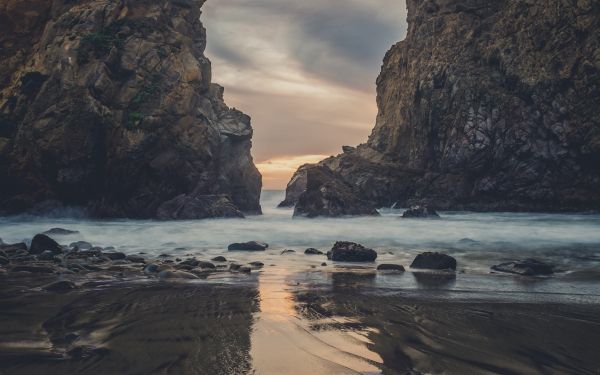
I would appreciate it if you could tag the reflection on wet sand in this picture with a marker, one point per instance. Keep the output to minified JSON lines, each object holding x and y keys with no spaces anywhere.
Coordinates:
{"x":129,"y":329}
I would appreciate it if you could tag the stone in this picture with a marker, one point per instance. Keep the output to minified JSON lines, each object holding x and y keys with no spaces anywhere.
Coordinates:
{"x":60,"y":286}
{"x":420,"y":212}
{"x":42,"y":242}
{"x":527,"y":267}
{"x":344,"y":251}
{"x":60,"y":232}
{"x":114,"y":255}
{"x":206,"y":265}
{"x":135,"y":259}
{"x":47,"y":255}
{"x":434,"y":261}
{"x":288,"y":251}
{"x":326,"y":194}
{"x":248,"y":246}
{"x":390,"y":267}
{"x":474,"y":120}
{"x":219,"y":259}
{"x":234,"y":266}
{"x":324,"y":264}
{"x":190,"y":262}
{"x":135,"y":126}
{"x":312,"y":251}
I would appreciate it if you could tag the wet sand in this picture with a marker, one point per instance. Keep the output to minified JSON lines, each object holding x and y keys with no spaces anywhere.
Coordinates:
{"x":276,"y":321}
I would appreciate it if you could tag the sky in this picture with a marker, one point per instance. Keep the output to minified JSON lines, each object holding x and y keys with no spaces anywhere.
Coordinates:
{"x":304,"y":71}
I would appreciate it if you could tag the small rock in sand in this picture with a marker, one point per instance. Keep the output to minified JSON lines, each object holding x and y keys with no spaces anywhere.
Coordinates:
{"x":248,"y":246}
{"x":313,"y":251}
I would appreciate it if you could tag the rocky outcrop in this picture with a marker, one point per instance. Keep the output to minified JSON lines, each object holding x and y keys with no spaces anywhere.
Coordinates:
{"x":109,"y":106}
{"x":486,"y":105}
{"x":325,"y":194}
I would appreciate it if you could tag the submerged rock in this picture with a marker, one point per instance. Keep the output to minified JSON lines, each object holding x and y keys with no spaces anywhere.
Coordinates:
{"x":434,"y":261}
{"x":60,"y":286}
{"x":248,"y":246}
{"x":328,"y":195}
{"x":344,"y":251}
{"x":390,"y":267}
{"x":60,"y":232}
{"x":42,"y":242}
{"x":527,"y":267}
{"x":313,"y":251}
{"x":420,"y":212}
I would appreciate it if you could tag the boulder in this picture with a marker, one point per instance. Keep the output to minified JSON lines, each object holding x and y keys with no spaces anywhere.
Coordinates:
{"x":115,"y":255}
{"x":390,"y":267}
{"x":527,"y":267}
{"x":42,"y":242}
{"x":248,"y":246}
{"x":312,"y":251}
{"x":295,"y":187}
{"x":60,"y":232}
{"x":328,"y":195}
{"x":434,"y":261}
{"x":351,"y":252}
{"x":420,"y":212}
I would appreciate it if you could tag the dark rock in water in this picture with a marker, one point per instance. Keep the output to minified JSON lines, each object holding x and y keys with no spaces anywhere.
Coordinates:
{"x":234,"y":266}
{"x":33,"y":269}
{"x":434,"y":261}
{"x":420,"y":212}
{"x":41,"y":242}
{"x":60,"y":286}
{"x":115,"y":255}
{"x":287,"y":251}
{"x":527,"y":267}
{"x":327,"y":195}
{"x":135,"y":259}
{"x":248,"y":246}
{"x":185,"y":207}
{"x":81,"y":245}
{"x":60,"y":232}
{"x":207,"y":265}
{"x":324,"y":264}
{"x":312,"y":251}
{"x":344,"y":251}
{"x":190,"y":262}
{"x":257,"y":264}
{"x":219,"y":259}
{"x":390,"y":267}
{"x":47,"y":255}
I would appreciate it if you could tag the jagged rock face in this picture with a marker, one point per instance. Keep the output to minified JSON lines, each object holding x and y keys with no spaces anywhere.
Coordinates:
{"x":109,"y":105}
{"x":487,"y":105}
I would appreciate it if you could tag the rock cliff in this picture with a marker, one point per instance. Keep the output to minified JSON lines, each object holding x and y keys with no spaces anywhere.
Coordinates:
{"x":486,"y":105}
{"x":109,"y":106}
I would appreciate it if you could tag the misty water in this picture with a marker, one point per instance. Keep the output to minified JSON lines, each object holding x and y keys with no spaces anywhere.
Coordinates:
{"x":476,"y":240}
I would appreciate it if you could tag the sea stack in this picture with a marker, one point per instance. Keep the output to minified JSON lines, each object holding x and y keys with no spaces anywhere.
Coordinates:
{"x":109,"y":106}
{"x":486,"y":105}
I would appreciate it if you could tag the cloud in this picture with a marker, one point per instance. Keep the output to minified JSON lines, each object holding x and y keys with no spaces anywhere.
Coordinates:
{"x":304,"y":71}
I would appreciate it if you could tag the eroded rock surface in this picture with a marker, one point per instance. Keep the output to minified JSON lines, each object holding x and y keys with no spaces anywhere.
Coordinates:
{"x":486,"y":105}
{"x":109,"y":106}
